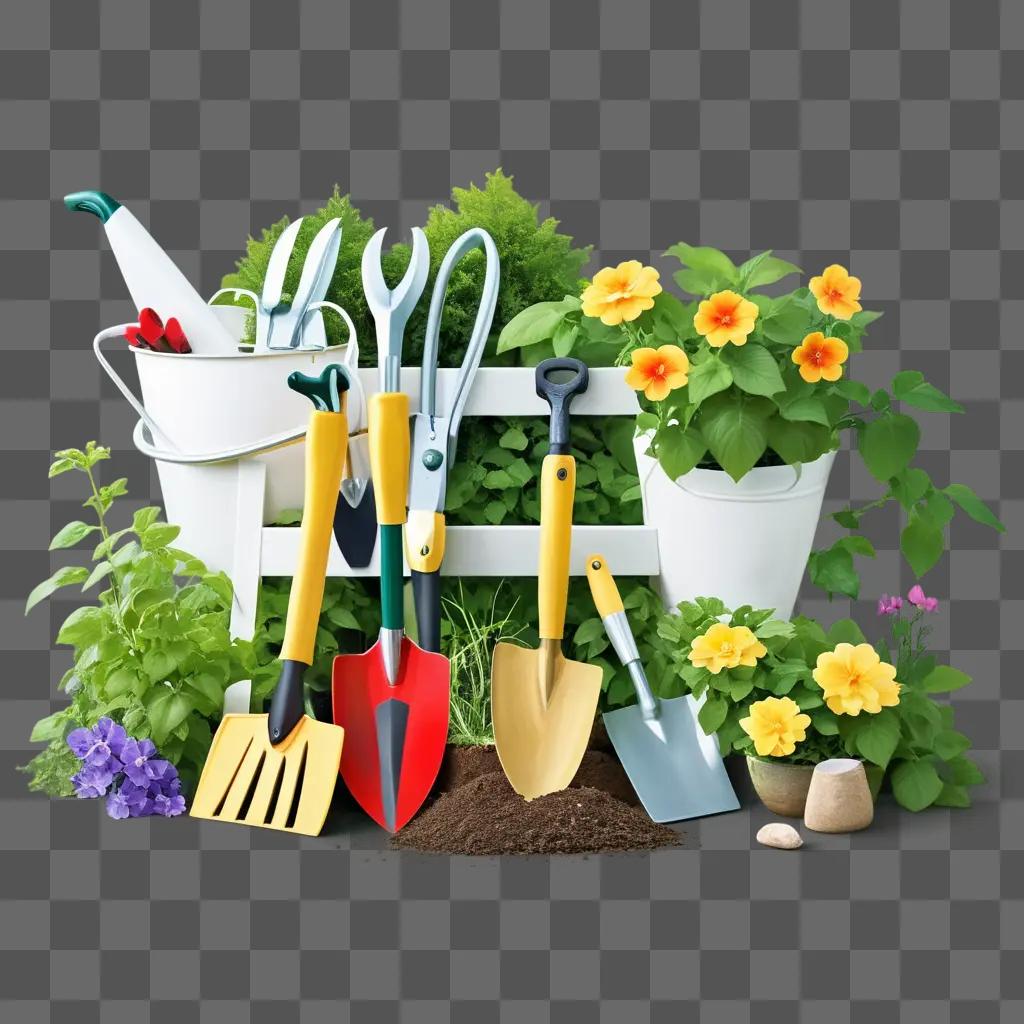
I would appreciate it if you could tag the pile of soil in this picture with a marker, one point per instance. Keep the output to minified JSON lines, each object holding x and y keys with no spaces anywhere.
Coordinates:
{"x":486,"y":817}
{"x":598,"y":770}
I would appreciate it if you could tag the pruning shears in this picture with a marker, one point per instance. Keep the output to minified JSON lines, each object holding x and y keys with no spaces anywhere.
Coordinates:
{"x":435,"y":435}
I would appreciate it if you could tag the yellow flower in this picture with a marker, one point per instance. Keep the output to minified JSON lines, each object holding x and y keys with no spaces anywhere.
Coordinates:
{"x":658,"y":371}
{"x":818,"y":357}
{"x":725,"y":646}
{"x":836,"y":291}
{"x":855,"y":679}
{"x":776,"y":725}
{"x":621,"y":293}
{"x":725,"y":317}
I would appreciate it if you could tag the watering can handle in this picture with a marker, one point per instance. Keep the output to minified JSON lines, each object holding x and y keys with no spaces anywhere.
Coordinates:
{"x":154,"y":428}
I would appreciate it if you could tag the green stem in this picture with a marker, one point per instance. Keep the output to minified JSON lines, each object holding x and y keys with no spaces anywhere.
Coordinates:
{"x":115,"y":578}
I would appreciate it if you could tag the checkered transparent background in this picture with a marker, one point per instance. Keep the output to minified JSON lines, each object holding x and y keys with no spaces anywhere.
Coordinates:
{"x":886,"y":135}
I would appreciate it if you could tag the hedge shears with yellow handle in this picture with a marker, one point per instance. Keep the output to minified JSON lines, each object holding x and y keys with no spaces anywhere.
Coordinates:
{"x":543,"y":704}
{"x":435,"y":434}
{"x":279,"y":770}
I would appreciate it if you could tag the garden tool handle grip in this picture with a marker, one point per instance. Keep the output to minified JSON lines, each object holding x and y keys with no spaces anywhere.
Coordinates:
{"x":388,"y":416}
{"x":326,"y":442}
{"x":602,"y":586}
{"x":557,"y":491}
{"x":558,"y":382}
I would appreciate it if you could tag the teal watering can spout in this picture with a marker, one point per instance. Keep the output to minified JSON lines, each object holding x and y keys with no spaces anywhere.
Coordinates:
{"x":99,"y":204}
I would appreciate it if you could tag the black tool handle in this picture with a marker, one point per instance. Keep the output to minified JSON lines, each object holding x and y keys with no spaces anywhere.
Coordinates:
{"x":286,"y":706}
{"x":426,"y":592}
{"x":324,"y":390}
{"x":559,"y":381}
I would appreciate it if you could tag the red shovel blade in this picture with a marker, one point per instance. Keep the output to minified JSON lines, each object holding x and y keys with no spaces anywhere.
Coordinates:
{"x":394,"y":735}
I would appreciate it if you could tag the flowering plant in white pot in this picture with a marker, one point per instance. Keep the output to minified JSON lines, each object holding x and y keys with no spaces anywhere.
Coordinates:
{"x":744,"y":397}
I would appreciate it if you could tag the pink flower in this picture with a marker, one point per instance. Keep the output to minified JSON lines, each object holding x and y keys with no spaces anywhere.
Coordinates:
{"x":889,"y":605}
{"x":916,"y":597}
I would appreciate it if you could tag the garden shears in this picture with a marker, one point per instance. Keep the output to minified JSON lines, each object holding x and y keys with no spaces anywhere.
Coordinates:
{"x":435,"y":435}
{"x":293,"y":321}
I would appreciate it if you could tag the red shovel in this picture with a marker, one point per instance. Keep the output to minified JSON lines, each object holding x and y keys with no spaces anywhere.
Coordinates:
{"x":392,"y":701}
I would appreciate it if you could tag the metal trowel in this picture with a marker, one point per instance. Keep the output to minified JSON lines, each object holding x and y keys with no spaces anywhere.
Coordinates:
{"x":676,"y":770}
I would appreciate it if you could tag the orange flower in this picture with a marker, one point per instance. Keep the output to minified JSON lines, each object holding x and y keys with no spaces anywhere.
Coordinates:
{"x":725,"y":317}
{"x":658,"y":371}
{"x":621,"y":293}
{"x":819,"y":357}
{"x":837,"y":293}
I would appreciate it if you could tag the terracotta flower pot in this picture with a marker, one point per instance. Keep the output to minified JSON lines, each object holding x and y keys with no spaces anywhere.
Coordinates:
{"x":781,"y":787}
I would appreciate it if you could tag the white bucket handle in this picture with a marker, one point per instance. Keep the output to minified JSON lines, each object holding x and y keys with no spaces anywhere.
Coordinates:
{"x":154,"y":428}
{"x":773,"y":492}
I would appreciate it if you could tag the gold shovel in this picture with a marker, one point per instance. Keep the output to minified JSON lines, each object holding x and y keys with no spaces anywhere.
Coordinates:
{"x":542,"y":704}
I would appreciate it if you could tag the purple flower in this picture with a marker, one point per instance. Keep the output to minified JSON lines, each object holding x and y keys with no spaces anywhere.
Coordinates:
{"x":170,"y":805}
{"x":92,"y":781}
{"x":99,"y":745}
{"x":117,"y":804}
{"x":889,"y":605}
{"x":916,"y":596}
{"x":140,"y":762}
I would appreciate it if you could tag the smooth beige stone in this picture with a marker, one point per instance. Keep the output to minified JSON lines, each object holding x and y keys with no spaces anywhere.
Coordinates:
{"x":779,"y":835}
{"x":839,"y":799}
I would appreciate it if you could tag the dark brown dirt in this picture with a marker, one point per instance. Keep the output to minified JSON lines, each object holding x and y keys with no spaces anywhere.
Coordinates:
{"x":486,"y":817}
{"x":598,"y":770}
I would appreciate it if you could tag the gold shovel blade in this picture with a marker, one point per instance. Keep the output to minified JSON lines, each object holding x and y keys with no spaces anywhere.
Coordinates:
{"x":543,"y":710}
{"x":249,"y":781}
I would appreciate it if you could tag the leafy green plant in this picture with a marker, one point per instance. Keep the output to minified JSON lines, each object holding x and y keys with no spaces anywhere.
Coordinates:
{"x":469,"y":640}
{"x":537,"y":263}
{"x":768,"y":388}
{"x":913,"y":742}
{"x":154,"y":652}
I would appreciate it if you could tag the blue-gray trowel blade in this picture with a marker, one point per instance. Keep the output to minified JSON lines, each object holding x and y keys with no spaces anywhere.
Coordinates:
{"x":675,"y":768}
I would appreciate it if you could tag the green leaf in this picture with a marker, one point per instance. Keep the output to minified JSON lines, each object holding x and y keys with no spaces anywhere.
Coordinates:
{"x":953,"y":795}
{"x":735,"y":429}
{"x":774,"y":627}
{"x":916,"y":784}
{"x":945,"y":679}
{"x":950,"y":743}
{"x":910,"y":386}
{"x":144,"y":518}
{"x":589,"y":630}
{"x":71,"y":535}
{"x":878,"y":737}
{"x":167,"y":709}
{"x":973,"y":506}
{"x":798,"y":442}
{"x":910,"y":486}
{"x":753,"y":369}
{"x":514,"y":439}
{"x":59,"y":466}
{"x":534,"y":324}
{"x":786,"y":323}
{"x":99,"y":571}
{"x":564,"y":337}
{"x":922,"y":545}
{"x":709,"y":269}
{"x":824,"y":722}
{"x":159,"y":535}
{"x":713,"y":713}
{"x":845,"y":631}
{"x":853,"y":390}
{"x":806,"y":409}
{"x":49,"y":728}
{"x":964,"y":772}
{"x":63,"y":577}
{"x":708,"y":378}
{"x":680,"y":449}
{"x":82,"y":628}
{"x":887,"y":445}
{"x":764,"y":268}
{"x":833,"y":571}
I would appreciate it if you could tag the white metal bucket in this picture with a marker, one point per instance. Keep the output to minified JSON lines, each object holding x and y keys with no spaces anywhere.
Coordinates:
{"x":745,"y":542}
{"x":203,"y":406}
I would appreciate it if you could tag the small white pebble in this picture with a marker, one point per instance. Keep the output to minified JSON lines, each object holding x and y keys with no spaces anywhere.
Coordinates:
{"x":780,"y":835}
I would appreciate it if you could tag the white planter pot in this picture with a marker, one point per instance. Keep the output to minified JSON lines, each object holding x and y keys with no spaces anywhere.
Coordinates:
{"x":745,"y":542}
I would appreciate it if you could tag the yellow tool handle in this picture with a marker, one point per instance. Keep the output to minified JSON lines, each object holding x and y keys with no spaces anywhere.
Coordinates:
{"x":326,"y":446}
{"x":557,"y":491}
{"x":602,"y":586}
{"x":388,"y":419}
{"x":424,"y":540}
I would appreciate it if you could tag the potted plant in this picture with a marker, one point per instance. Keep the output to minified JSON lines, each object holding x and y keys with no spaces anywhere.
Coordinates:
{"x":744,"y":399}
{"x":788,"y":695}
